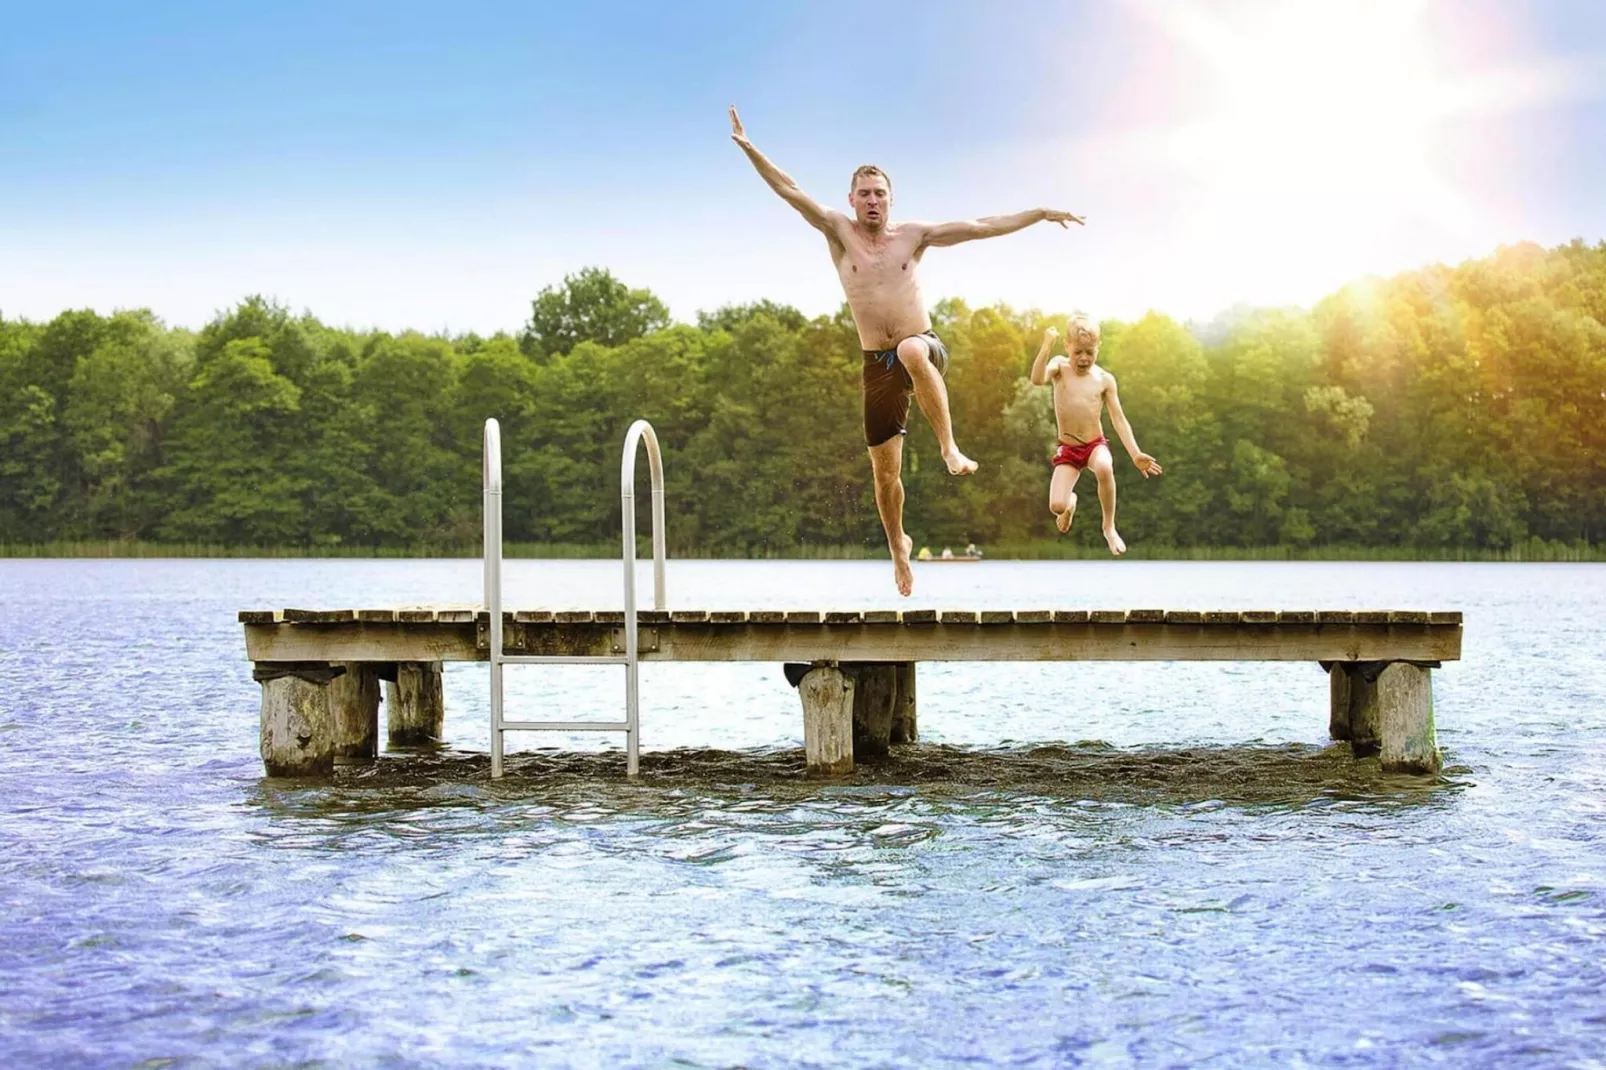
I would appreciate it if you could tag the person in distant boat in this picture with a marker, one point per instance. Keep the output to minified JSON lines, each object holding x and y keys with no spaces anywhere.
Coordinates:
{"x":1082,"y":390}
{"x":972,"y":550}
{"x":925,"y":553}
{"x":878,"y":263}
{"x":947,"y":554}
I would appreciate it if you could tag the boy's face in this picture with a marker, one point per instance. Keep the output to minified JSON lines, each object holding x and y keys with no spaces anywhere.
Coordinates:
{"x":1083,"y":351}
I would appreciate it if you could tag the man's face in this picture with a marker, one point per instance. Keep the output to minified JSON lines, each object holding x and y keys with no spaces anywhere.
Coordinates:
{"x":871,"y":201}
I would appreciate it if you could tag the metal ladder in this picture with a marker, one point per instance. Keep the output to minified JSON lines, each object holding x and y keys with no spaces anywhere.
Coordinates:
{"x":640,"y":431}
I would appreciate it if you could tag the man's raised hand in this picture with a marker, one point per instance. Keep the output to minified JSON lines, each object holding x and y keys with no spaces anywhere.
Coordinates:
{"x":1051,"y":215}
{"x":738,"y":135}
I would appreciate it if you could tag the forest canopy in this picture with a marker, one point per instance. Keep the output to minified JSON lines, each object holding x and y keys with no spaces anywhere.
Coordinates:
{"x":1450,"y":407}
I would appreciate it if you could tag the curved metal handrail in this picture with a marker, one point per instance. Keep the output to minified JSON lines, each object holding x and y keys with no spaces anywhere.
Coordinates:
{"x":640,"y":431}
{"x":493,"y":581}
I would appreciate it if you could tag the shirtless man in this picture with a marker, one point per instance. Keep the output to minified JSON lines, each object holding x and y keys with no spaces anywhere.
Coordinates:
{"x":878,"y":261}
{"x":1081,"y":391}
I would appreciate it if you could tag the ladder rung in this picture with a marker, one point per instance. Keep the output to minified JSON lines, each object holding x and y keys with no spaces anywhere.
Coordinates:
{"x":563,"y":659}
{"x":565,"y":726}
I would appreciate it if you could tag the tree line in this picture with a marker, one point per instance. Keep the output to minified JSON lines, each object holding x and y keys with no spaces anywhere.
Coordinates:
{"x":1450,"y":407}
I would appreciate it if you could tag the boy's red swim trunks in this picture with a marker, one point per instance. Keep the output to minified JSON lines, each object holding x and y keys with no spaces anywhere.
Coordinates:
{"x":1076,"y":454}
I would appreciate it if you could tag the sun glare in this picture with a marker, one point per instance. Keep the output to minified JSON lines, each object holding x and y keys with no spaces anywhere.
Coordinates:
{"x":1321,"y":132}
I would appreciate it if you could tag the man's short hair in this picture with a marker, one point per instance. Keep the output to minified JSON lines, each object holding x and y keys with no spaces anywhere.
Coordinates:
{"x":1078,"y":325}
{"x":868,"y":169}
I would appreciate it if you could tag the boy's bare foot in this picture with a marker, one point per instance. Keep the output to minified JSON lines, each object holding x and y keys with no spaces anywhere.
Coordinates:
{"x":1063,"y":520}
{"x":902,"y":573}
{"x":958,"y":464}
{"x":1117,"y":544}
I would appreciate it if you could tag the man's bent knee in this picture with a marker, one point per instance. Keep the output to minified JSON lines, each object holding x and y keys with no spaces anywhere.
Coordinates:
{"x":914,"y":353}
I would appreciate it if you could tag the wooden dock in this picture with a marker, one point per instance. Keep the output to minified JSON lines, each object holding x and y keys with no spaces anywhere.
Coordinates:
{"x":855,"y":669}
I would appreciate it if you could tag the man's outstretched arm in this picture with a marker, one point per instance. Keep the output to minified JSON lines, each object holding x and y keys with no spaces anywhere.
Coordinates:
{"x":994,"y":226}
{"x":784,"y":184}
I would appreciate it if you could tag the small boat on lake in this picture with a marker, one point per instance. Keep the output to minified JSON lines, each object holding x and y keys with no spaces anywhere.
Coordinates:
{"x":972,"y":553}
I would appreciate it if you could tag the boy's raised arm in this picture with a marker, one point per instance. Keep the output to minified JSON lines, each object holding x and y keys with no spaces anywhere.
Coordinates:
{"x":994,"y":226}
{"x":1146,"y":464}
{"x":1043,"y":369}
{"x":818,"y":216}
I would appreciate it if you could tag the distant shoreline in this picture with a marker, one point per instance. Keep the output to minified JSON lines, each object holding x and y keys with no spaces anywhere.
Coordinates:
{"x":1026,"y":550}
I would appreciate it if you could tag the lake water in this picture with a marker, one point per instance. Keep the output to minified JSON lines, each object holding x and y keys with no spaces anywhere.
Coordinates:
{"x":1079,"y":864}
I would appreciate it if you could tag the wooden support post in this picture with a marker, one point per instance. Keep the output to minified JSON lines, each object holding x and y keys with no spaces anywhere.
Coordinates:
{"x":417,"y":708}
{"x":904,"y":726}
{"x":827,"y":694}
{"x":1365,"y":719}
{"x":298,"y":732}
{"x":354,"y":706}
{"x":1405,"y":705}
{"x":875,"y":695}
{"x":1338,"y":690}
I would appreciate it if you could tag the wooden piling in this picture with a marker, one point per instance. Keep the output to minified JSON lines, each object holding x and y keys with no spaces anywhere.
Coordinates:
{"x":1408,"y":743}
{"x":827,"y":694}
{"x":416,"y":705}
{"x":875,"y":696}
{"x":354,"y":710}
{"x":1365,"y":718}
{"x":298,"y":734}
{"x":905,"y":728}
{"x":1338,"y":689}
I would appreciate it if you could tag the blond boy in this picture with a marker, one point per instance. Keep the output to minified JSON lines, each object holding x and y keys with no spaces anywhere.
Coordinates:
{"x":1081,"y":391}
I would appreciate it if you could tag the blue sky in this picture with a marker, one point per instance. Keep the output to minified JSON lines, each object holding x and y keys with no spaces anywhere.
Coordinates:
{"x":433,"y":166}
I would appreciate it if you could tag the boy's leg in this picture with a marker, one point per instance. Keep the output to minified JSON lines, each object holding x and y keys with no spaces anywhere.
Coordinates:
{"x":886,"y":465}
{"x":1062,"y":495}
{"x":1104,"y":471}
{"x":932,"y":394}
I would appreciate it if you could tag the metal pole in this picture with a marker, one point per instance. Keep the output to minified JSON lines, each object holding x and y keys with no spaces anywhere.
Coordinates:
{"x":656,"y":466}
{"x":627,"y":523}
{"x":493,"y":582}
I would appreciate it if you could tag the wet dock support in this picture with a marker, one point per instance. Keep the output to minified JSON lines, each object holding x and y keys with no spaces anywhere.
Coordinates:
{"x":875,"y":701}
{"x":1338,"y":690}
{"x":1405,"y":703}
{"x":828,"y":697}
{"x":298,"y":732}
{"x":905,"y":728}
{"x":1386,"y":708}
{"x":416,"y":705}
{"x":354,"y":712}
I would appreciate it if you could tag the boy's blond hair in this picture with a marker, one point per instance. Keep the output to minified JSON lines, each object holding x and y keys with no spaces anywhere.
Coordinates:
{"x":1081,"y":324}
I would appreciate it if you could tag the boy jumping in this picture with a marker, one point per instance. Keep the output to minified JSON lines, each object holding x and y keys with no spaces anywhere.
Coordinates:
{"x":1081,"y":390}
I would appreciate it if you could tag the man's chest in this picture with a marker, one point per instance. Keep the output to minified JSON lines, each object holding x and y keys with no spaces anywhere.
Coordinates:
{"x":879,"y":262}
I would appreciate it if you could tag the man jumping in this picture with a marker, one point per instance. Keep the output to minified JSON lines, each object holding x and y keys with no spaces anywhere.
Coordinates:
{"x":877,"y":261}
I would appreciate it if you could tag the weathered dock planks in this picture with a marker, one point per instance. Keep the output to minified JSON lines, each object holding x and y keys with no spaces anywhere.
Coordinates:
{"x":868,"y":635}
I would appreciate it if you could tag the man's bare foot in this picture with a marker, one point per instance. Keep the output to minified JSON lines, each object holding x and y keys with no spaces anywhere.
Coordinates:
{"x":1117,"y":544}
{"x":902,"y":573}
{"x":1063,"y":520}
{"x":958,"y":464}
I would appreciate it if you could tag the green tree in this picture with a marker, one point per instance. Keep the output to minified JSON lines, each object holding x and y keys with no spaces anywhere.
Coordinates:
{"x":590,"y":306}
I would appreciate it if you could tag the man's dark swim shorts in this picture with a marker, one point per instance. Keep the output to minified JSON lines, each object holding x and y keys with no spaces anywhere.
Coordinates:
{"x":888,"y":388}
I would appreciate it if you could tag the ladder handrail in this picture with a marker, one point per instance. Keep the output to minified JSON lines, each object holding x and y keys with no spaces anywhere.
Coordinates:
{"x":493,"y":581}
{"x":640,"y":431}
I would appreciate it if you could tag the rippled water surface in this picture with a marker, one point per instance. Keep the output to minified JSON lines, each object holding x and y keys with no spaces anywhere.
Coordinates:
{"x":1079,"y":864}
